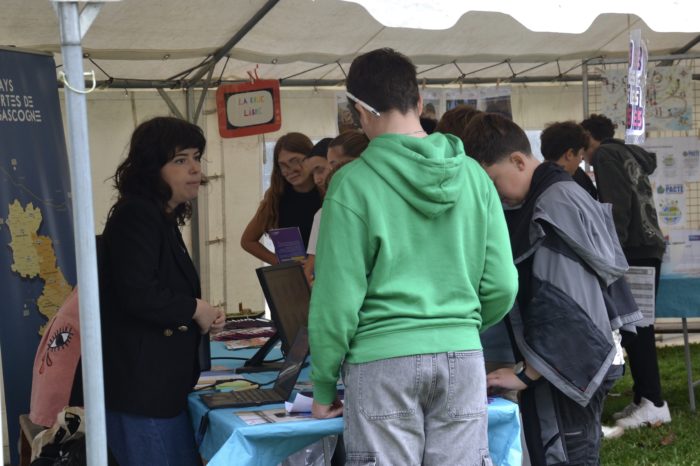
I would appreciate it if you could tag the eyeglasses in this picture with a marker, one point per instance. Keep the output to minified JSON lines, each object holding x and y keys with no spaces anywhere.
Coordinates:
{"x":363,"y":104}
{"x":290,"y":165}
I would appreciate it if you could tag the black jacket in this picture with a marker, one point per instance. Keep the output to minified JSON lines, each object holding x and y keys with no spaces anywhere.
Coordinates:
{"x":622,"y":176}
{"x":148,"y":287}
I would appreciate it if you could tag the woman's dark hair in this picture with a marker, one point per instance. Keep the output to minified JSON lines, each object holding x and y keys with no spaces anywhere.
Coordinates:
{"x":332,"y":173}
{"x":320,"y":149}
{"x":153,"y":144}
{"x":600,"y":127}
{"x":352,"y":143}
{"x":269,"y":207}
{"x":557,"y":138}
{"x":456,"y":119}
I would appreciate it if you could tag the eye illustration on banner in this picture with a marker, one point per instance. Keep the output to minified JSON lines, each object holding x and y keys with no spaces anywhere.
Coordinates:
{"x":58,"y":342}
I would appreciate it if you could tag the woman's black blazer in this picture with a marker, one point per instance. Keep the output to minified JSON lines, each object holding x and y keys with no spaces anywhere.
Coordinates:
{"x":148,"y":287}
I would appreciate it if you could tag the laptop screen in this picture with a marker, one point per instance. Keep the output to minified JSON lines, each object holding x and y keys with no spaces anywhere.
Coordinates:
{"x":287,"y":293}
{"x":287,"y":377}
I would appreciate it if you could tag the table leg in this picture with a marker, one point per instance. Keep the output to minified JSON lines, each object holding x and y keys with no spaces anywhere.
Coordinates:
{"x":688,"y":366}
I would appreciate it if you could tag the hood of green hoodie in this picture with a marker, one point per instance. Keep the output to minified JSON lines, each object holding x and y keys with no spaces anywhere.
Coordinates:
{"x":426,"y":172}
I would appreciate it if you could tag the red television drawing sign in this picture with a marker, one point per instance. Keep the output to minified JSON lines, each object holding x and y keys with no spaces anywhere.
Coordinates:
{"x":248,"y":108}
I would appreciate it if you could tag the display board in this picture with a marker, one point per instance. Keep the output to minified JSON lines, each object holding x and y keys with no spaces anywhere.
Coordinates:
{"x":676,"y":184}
{"x":37,"y":258}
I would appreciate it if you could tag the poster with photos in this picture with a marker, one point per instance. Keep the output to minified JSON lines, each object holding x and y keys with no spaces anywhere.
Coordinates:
{"x":346,"y":120}
{"x":496,"y":99}
{"x":436,"y":101}
{"x":432,"y":98}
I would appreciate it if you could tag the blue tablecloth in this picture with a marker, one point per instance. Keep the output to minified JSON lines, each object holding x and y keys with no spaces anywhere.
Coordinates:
{"x":230,"y":441}
{"x":679,"y":296}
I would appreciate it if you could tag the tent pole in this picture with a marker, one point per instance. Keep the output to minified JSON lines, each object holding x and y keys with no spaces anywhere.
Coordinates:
{"x":69,"y":18}
{"x":203,"y":96}
{"x":171,"y":105}
{"x":194,"y":220}
{"x":584,"y":82}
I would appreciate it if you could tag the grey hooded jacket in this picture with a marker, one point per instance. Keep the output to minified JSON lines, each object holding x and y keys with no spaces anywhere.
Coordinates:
{"x":577,"y":298}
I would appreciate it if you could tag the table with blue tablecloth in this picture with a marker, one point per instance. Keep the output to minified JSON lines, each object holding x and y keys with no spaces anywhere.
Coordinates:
{"x":679,"y":297}
{"x":228,"y":440}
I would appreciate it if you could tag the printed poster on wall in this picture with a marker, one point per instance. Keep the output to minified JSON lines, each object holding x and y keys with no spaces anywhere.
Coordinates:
{"x":432,"y":103}
{"x":669,"y":97}
{"x":676,"y":184}
{"x":37,"y":257}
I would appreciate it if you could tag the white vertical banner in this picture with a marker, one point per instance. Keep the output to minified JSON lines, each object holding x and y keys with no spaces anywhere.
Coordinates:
{"x":636,"y":88}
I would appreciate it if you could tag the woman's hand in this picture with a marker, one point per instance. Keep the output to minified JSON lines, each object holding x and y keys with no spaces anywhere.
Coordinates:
{"x":218,"y":324}
{"x":250,"y":241}
{"x":208,"y":317}
{"x":309,"y":268}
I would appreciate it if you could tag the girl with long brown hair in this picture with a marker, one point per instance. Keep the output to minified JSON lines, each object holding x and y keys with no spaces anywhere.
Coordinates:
{"x":291,"y":201}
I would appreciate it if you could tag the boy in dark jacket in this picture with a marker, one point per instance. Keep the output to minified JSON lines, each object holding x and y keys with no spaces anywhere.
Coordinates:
{"x":567,"y":255}
{"x":622,"y":175}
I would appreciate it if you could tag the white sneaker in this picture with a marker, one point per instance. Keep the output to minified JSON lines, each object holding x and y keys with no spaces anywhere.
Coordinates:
{"x":612,"y":432}
{"x":646,"y":414}
{"x":626,"y":411}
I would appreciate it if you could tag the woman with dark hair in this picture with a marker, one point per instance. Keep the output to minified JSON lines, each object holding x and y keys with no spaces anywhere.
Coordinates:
{"x":152,"y":314}
{"x":291,"y":201}
{"x":456,"y":119}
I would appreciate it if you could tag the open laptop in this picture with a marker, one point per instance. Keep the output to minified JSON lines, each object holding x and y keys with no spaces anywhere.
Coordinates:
{"x":288,"y":295}
{"x":282,"y":389}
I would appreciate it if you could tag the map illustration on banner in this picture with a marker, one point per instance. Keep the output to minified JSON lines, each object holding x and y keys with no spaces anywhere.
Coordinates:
{"x":669,"y":97}
{"x":34,"y":257}
{"x":37,"y":257}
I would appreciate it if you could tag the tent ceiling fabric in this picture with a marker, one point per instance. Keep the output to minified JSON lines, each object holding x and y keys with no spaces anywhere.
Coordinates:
{"x":155,"y":40}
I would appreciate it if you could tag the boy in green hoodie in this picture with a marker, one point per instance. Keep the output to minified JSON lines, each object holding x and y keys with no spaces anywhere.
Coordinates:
{"x":413,"y":260}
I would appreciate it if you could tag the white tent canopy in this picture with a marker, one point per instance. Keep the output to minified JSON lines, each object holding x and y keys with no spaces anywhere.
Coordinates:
{"x":177,"y":43}
{"x":313,"y":41}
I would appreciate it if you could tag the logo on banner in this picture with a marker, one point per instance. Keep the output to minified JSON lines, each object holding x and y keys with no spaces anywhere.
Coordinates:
{"x":670,"y":213}
{"x":691,"y":159}
{"x":249,"y":108}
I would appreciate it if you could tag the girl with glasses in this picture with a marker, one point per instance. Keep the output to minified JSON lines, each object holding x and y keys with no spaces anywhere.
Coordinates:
{"x":291,"y":201}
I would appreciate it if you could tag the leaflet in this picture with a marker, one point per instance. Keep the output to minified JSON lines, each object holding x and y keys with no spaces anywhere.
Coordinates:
{"x":289,"y":246}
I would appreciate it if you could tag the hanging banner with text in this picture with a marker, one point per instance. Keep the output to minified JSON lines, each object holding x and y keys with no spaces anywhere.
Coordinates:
{"x":37,"y":258}
{"x":249,"y":108}
{"x":636,"y":88}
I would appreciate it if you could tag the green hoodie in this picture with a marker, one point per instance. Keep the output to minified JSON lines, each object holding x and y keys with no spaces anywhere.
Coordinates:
{"x":413,"y":257}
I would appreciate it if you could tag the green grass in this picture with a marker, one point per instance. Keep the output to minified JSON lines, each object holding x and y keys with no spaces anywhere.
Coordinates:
{"x":676,"y":443}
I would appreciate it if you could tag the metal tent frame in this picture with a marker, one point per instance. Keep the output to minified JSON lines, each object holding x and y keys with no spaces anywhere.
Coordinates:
{"x":74,"y":23}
